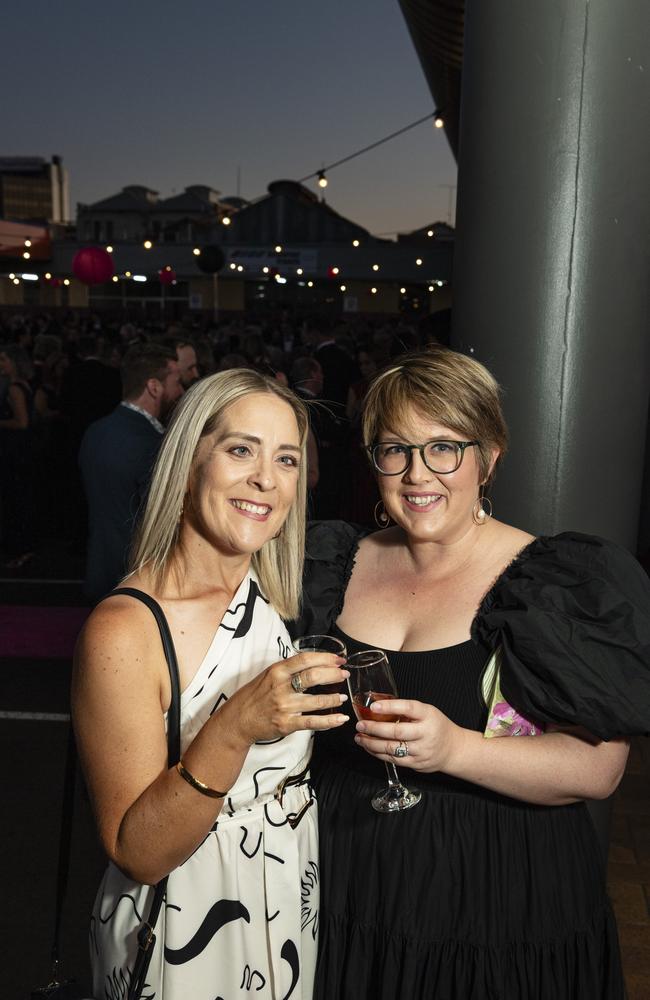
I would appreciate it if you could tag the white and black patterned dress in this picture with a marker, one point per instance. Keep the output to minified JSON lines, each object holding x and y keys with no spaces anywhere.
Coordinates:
{"x":240,"y":917}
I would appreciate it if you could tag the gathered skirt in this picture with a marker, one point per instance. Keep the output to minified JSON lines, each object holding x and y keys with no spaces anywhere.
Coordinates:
{"x":467,"y":896}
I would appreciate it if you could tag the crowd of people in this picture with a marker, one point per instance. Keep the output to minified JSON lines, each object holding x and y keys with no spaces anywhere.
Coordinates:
{"x":61,"y":374}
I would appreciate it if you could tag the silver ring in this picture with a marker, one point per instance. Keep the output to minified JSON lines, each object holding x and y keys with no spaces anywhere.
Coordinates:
{"x":401,"y":750}
{"x":296,"y":683}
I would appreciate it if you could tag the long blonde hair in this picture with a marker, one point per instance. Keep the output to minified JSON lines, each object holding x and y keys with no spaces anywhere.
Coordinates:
{"x":278,"y":564}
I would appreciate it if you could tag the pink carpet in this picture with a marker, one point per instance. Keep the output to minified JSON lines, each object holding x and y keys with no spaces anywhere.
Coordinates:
{"x":39,"y":633}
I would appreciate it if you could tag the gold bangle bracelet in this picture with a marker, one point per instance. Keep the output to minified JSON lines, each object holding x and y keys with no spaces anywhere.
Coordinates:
{"x":212,"y":793}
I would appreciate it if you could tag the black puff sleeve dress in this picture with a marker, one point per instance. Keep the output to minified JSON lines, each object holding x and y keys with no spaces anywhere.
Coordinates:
{"x":472,"y":895}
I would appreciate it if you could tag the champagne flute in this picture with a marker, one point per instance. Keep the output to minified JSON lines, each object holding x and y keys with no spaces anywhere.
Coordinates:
{"x":371,"y":679}
{"x":322,"y":644}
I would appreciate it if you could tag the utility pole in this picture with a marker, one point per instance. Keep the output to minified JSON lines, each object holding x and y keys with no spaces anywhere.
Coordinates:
{"x":452,"y":198}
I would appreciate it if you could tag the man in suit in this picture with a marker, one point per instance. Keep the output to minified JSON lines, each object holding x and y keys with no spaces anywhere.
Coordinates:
{"x":187,"y":360}
{"x":116,"y":458}
{"x":339,"y":370}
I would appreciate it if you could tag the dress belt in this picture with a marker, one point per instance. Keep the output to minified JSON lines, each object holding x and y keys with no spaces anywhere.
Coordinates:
{"x":290,"y":780}
{"x":294,"y":779}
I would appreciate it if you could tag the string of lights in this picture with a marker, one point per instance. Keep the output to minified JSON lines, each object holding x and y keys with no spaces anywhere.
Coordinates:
{"x":167,"y":276}
{"x":321,"y":174}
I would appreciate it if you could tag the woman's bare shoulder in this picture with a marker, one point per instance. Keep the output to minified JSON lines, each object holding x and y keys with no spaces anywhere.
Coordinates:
{"x":511,"y":540}
{"x":117,"y":623}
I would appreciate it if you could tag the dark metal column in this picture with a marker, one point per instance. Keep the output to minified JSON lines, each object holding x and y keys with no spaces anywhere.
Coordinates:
{"x":551,"y":263}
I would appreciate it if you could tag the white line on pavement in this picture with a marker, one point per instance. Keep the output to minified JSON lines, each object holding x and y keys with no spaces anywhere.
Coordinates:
{"x":36,"y":716}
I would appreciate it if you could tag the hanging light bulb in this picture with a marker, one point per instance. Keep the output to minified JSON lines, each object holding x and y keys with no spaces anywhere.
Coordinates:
{"x":438,"y":120}
{"x":355,"y":243}
{"x":226,"y":220}
{"x":196,"y":252}
{"x":322,"y":179}
{"x":147,"y":244}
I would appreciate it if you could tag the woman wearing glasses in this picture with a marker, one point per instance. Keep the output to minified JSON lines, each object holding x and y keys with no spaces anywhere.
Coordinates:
{"x":492,"y":885}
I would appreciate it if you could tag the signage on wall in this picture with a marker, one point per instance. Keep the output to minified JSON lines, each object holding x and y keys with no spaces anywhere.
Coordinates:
{"x":254,"y":259}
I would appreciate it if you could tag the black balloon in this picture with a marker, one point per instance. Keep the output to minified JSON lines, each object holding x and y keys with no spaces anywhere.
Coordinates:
{"x":211,"y":259}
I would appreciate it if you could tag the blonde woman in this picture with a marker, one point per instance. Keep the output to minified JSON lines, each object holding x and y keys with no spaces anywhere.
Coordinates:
{"x":233,"y":825}
{"x":492,"y":885}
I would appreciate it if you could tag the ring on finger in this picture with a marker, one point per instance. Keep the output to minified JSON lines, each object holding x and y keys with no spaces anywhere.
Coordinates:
{"x":296,"y":683}
{"x":401,"y":750}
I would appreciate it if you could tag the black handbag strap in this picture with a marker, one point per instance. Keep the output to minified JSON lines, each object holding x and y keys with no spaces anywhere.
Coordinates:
{"x":174,"y":713}
{"x":146,"y":936}
{"x":65,"y":841}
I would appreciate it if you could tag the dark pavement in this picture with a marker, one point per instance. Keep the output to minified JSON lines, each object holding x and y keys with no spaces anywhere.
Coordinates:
{"x":33,"y":752}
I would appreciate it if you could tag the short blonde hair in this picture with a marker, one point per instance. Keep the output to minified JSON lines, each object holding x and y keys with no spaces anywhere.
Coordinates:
{"x":442,"y":385}
{"x":278,"y":564}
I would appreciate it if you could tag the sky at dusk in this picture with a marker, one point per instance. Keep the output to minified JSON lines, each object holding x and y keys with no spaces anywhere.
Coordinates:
{"x":172,"y":94}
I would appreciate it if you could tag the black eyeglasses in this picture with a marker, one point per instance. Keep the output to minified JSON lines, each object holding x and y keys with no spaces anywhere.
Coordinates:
{"x":392,"y":458}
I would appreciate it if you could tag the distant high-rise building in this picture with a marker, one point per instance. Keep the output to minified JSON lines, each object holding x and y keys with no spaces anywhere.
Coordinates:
{"x":34,"y":190}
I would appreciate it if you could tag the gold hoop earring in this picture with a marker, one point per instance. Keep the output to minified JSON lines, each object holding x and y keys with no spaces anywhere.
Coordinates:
{"x":382,"y":520}
{"x":480,"y":512}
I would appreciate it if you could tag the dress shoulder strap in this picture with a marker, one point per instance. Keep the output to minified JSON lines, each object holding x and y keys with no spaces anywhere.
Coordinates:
{"x":174,"y":714}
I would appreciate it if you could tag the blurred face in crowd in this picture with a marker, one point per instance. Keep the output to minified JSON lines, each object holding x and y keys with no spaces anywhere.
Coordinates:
{"x":172,"y":390}
{"x":7,"y":367}
{"x":366,"y":363}
{"x":316,"y":381}
{"x":187,"y":364}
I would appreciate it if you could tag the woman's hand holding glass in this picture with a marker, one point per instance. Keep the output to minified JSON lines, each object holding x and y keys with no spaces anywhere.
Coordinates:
{"x":430,"y":738}
{"x":371,"y":682}
{"x":270,"y":706}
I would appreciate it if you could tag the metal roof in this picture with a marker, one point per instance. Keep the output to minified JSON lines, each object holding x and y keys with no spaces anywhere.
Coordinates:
{"x":437,"y":29}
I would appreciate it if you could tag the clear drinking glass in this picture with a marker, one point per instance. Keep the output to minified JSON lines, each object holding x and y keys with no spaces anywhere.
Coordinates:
{"x":322,"y":644}
{"x":371,"y":679}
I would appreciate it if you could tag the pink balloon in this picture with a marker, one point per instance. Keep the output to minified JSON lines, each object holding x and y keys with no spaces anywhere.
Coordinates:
{"x":92,"y":265}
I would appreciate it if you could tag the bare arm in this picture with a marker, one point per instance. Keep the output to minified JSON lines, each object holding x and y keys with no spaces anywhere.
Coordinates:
{"x":20,"y":419}
{"x":150,"y":820}
{"x":41,"y":405}
{"x":554,"y":769}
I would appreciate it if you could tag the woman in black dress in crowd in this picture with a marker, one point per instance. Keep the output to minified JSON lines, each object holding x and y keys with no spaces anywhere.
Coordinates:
{"x":492,"y":886}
